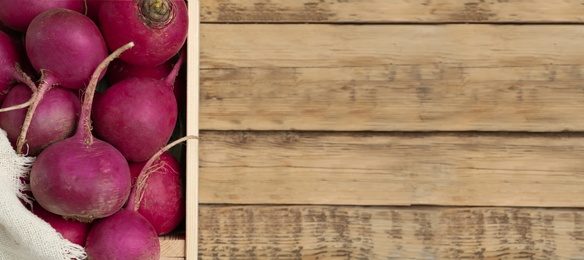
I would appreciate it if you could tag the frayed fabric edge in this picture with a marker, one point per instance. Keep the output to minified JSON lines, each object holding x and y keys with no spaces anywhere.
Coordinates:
{"x":20,"y":187}
{"x":74,"y":251}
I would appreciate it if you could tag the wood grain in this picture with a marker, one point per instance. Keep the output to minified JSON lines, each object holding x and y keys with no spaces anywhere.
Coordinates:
{"x":173,"y":246}
{"x":392,"y":77}
{"x":395,"y":11}
{"x":189,"y":245}
{"x":324,"y":232}
{"x":471,"y":169}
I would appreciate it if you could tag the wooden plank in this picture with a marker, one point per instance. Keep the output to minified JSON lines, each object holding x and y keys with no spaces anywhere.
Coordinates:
{"x":323,"y":232}
{"x":392,"y":77}
{"x":395,"y":11}
{"x":192,"y":151}
{"x":473,"y":169}
{"x":172,"y":246}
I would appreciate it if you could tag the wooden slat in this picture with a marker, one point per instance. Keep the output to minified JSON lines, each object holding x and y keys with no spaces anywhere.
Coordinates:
{"x":172,"y":246}
{"x":474,"y":169}
{"x":394,"y":11}
{"x":392,"y":77}
{"x":192,"y":128}
{"x":303,"y":232}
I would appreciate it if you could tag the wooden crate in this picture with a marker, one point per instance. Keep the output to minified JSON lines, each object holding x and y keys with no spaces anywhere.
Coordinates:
{"x":182,"y":244}
{"x":377,"y":129}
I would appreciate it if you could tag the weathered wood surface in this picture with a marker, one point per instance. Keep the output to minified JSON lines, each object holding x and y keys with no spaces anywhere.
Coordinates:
{"x":192,"y":128}
{"x":172,"y":246}
{"x":394,"y":11}
{"x":498,"y":169}
{"x":324,"y":232}
{"x":392,"y":77}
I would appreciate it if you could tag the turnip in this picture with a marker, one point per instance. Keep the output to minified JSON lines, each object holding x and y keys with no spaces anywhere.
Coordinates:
{"x":138,"y":115}
{"x":10,"y":72}
{"x":82,"y":177}
{"x":120,"y":70}
{"x":72,"y":230}
{"x":158,"y":27}
{"x":69,"y":35}
{"x":67,"y":43}
{"x":161,"y":193}
{"x":17,"y":14}
{"x":54,"y":120}
{"x":127,"y":234}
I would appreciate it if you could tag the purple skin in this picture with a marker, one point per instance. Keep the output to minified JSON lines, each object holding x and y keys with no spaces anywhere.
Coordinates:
{"x":72,"y":230}
{"x":9,"y":56}
{"x":158,"y":37}
{"x":137,"y":116}
{"x":55,"y":118}
{"x":162,"y":199}
{"x":59,"y":40}
{"x":120,"y":70}
{"x":125,"y":235}
{"x":80,"y":181}
{"x":81,"y":177}
{"x":17,"y":15}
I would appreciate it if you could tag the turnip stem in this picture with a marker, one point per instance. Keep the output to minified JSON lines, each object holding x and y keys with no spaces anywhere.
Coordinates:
{"x":134,"y":202}
{"x":16,"y":107}
{"x":46,"y":83}
{"x":84,"y":126}
{"x":21,"y":77}
{"x":175,"y":69}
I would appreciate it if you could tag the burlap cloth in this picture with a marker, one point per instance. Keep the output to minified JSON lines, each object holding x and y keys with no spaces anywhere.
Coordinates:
{"x":23,"y":235}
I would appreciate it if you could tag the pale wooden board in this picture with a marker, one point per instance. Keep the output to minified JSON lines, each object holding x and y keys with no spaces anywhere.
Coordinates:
{"x":392,"y":77}
{"x":324,"y":232}
{"x":192,"y":152}
{"x":172,"y":246}
{"x":474,"y":169}
{"x":394,"y":11}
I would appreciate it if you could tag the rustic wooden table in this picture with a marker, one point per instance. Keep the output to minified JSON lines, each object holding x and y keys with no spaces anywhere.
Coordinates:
{"x":377,"y":129}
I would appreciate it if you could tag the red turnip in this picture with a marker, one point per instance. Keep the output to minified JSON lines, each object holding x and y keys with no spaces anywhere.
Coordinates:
{"x":120,"y":70}
{"x":138,"y":115}
{"x":128,"y":234}
{"x":125,"y":235}
{"x":72,"y":230}
{"x":161,"y":189}
{"x":67,"y":43}
{"x":17,"y":14}
{"x":9,"y":57}
{"x":54,"y":120}
{"x":10,"y":60}
{"x":69,"y":35}
{"x":158,"y":27}
{"x":82,"y":177}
